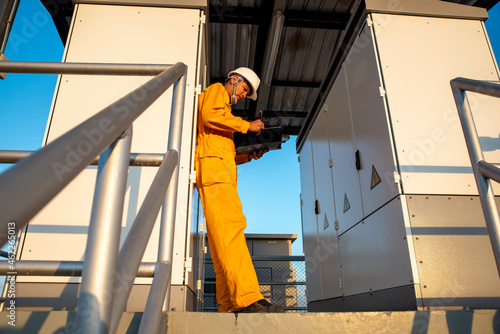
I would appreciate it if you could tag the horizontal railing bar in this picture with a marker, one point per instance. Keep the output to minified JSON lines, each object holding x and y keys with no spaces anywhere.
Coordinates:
{"x":136,"y":159}
{"x":273,"y":283}
{"x":489,"y":170}
{"x":283,"y":283}
{"x":273,"y":258}
{"x":477,"y":86}
{"x":278,"y":258}
{"x":81,"y":68}
{"x":291,"y":308}
{"x":58,"y":268}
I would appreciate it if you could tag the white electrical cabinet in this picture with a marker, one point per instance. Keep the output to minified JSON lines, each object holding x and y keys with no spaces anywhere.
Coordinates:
{"x":326,"y":253}
{"x":107,"y":32}
{"x":388,"y":138}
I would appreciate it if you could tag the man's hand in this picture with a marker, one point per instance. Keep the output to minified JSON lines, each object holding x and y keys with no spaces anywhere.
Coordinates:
{"x":256,"y":126}
{"x":258,"y":154}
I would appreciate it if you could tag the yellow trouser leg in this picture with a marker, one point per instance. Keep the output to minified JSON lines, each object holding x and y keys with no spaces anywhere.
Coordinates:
{"x":236,"y":281}
{"x":223,"y":297}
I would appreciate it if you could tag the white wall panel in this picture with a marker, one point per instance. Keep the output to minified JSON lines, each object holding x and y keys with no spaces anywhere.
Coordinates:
{"x":119,"y":34}
{"x":372,"y":134}
{"x":309,"y":223}
{"x":419,"y":56}
{"x":327,"y":252}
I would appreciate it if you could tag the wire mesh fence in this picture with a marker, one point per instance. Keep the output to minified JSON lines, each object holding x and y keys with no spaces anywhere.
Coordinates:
{"x":282,"y":282}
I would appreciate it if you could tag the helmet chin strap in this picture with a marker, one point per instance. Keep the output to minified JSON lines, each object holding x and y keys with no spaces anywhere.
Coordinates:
{"x":234,"y":100}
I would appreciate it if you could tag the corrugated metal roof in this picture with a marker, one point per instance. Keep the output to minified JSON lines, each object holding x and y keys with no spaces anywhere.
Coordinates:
{"x":311,"y":31}
{"x":314,"y":31}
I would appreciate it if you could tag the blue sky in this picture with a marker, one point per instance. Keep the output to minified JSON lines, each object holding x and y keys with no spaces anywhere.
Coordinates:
{"x":269,"y":188}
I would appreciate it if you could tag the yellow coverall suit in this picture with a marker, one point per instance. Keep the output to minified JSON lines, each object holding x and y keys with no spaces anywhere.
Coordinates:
{"x":216,"y":179}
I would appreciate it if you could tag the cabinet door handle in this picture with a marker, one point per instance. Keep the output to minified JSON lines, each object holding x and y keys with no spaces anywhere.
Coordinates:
{"x":358,"y":161}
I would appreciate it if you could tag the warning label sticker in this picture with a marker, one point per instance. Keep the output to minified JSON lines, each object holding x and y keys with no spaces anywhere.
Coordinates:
{"x":347,"y":205}
{"x":375,"y":178}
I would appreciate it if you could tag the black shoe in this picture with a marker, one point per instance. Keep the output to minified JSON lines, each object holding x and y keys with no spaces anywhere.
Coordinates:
{"x":262,"y":306}
{"x":270,"y":307}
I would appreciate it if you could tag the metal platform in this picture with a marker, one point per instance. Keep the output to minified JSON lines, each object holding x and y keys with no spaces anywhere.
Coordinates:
{"x":433,"y":322}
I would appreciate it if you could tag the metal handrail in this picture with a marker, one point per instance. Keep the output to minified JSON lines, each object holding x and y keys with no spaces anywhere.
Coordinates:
{"x":483,"y":171}
{"x":81,"y":68}
{"x":28,"y":186}
{"x":60,"y":268}
{"x":136,"y":159}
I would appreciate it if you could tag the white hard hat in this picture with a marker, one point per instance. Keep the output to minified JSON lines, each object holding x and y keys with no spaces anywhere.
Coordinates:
{"x":250,"y":77}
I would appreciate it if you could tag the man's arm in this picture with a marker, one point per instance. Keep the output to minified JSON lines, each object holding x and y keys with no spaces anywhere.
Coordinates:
{"x":214,"y":115}
{"x":244,"y":158}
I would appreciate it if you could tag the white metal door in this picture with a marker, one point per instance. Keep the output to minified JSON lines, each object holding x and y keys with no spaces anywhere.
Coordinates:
{"x":309,"y":222}
{"x":345,"y":176}
{"x":375,"y":253}
{"x":327,"y":252}
{"x":372,"y":134}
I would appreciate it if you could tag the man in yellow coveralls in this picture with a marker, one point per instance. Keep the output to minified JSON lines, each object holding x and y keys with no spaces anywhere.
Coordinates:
{"x":216,"y":178}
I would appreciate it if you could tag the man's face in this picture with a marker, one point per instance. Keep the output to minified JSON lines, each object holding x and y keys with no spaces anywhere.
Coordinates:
{"x":242,"y":88}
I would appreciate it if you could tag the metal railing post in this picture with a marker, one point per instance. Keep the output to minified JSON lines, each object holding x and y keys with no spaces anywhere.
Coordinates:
{"x":167,"y":227}
{"x":101,"y":255}
{"x":132,"y":250}
{"x":152,"y":312}
{"x":484,"y":187}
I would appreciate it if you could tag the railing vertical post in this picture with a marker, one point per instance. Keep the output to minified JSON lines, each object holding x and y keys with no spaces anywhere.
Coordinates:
{"x":151,"y":317}
{"x":483,"y":184}
{"x":132,"y":249}
{"x":167,"y":228}
{"x":101,"y":256}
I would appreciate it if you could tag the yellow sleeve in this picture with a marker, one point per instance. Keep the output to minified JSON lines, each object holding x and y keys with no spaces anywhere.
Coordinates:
{"x":214,"y":114}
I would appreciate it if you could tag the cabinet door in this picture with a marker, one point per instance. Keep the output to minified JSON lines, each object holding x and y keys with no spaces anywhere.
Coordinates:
{"x":327,"y":251}
{"x":419,"y":56}
{"x":309,"y":222}
{"x":375,"y":252}
{"x":372,"y":134}
{"x":345,"y":176}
